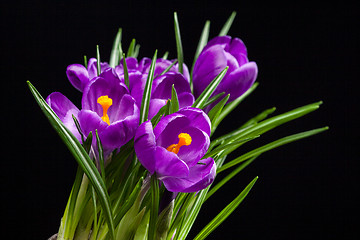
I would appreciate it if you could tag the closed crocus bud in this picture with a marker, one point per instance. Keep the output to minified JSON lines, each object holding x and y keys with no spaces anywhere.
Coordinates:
{"x":217,"y":54}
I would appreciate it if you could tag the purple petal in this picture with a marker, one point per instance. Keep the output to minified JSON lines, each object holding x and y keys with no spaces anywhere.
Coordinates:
{"x":89,"y":121}
{"x":185,"y":99}
{"x":237,"y":48}
{"x":208,"y":65}
{"x":145,"y":146}
{"x":192,"y":153}
{"x":162,"y":86}
{"x":198,"y":119}
{"x":200,"y":176}
{"x":155,"y":105}
{"x":64,"y":109}
{"x":78,"y":76}
{"x":222,"y":41}
{"x":169,"y":164}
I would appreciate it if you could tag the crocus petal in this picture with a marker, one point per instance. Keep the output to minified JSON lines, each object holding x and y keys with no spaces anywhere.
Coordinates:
{"x":145,"y":146}
{"x":200,"y":176}
{"x":64,"y":109}
{"x":198,"y":118}
{"x":162,"y":85}
{"x":78,"y":76}
{"x":185,"y":99}
{"x":92,"y":67}
{"x":239,"y":81}
{"x":169,"y":164}
{"x":222,"y":41}
{"x":155,"y":105}
{"x":208,"y":65}
{"x":198,"y":147}
{"x":237,"y":47}
{"x":89,"y":121}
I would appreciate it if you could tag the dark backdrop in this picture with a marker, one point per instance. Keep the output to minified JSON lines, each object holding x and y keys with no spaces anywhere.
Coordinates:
{"x":305,"y":53}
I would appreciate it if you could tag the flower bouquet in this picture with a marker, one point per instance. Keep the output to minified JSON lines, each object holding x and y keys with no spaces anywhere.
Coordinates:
{"x":143,"y":137}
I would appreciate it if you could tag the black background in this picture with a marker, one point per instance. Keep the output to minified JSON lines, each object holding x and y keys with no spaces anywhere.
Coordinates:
{"x":305,"y":53}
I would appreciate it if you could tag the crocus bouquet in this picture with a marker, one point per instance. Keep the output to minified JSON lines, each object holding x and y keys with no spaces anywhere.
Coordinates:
{"x":142,"y":137}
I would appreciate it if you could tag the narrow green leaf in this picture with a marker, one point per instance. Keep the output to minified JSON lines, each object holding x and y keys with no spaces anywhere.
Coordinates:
{"x":213,"y":99}
{"x":101,"y":156}
{"x":131,"y":49}
{"x":136,"y":50}
{"x":126,"y":73}
{"x":85,"y":61}
{"x":202,"y":43}
{"x":168,"y":68}
{"x":225,"y":29}
{"x":205,"y":95}
{"x":144,"y":111}
{"x":115,"y":51}
{"x":165,"y":56}
{"x":142,"y":230}
{"x":228,"y":177}
{"x":216,"y":110}
{"x":263,"y":115}
{"x":79,"y":154}
{"x":154,"y":209}
{"x":98,"y":63}
{"x":174,"y":100}
{"x":179,"y":49}
{"x":225,"y":212}
{"x":270,"y":146}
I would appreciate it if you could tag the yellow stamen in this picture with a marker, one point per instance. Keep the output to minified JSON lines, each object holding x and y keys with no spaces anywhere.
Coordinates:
{"x":184,"y":139}
{"x":105,"y":102}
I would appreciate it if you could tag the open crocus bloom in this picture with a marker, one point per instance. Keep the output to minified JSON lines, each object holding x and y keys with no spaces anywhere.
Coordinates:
{"x":217,"y":54}
{"x":106,"y":106}
{"x":174,"y":148}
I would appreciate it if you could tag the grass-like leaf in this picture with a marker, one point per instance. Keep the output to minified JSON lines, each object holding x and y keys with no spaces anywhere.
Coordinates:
{"x":154,"y":209}
{"x":216,"y":110}
{"x":225,"y":212}
{"x":80,"y":155}
{"x":174,"y":100}
{"x":131,"y":49}
{"x":98,"y":63}
{"x":270,"y":146}
{"x":126,"y":73}
{"x":115,"y":51}
{"x":225,"y":29}
{"x":144,"y":111}
{"x":205,"y":95}
{"x":179,"y":48}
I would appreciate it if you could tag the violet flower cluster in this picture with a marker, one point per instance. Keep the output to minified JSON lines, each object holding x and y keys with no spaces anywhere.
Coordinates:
{"x":174,"y":148}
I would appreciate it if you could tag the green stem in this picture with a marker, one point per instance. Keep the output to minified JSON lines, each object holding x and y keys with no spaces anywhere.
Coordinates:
{"x":154,"y":209}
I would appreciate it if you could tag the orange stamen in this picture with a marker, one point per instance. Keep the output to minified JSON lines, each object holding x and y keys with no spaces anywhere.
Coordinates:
{"x":184,"y":140}
{"x":105,"y":102}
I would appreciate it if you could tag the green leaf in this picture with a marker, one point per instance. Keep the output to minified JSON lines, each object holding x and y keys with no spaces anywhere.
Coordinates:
{"x":179,"y":49}
{"x":142,"y":230}
{"x":101,"y":156}
{"x":225,"y":212}
{"x":85,"y":61}
{"x":168,"y":68}
{"x":174,"y":100}
{"x":115,"y":51}
{"x":228,"y":177}
{"x":154,"y":209}
{"x":98,"y":63}
{"x":205,"y":95}
{"x":213,"y":99}
{"x":216,"y":110}
{"x":202,"y":43}
{"x":225,"y":29}
{"x":126,"y":73}
{"x":80,"y":156}
{"x":131,"y":49}
{"x":270,"y":146}
{"x":144,"y":111}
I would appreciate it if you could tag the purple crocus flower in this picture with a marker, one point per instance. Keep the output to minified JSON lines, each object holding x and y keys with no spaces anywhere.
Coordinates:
{"x":220,"y":52}
{"x":106,"y":106}
{"x":174,"y":148}
{"x":79,"y":76}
